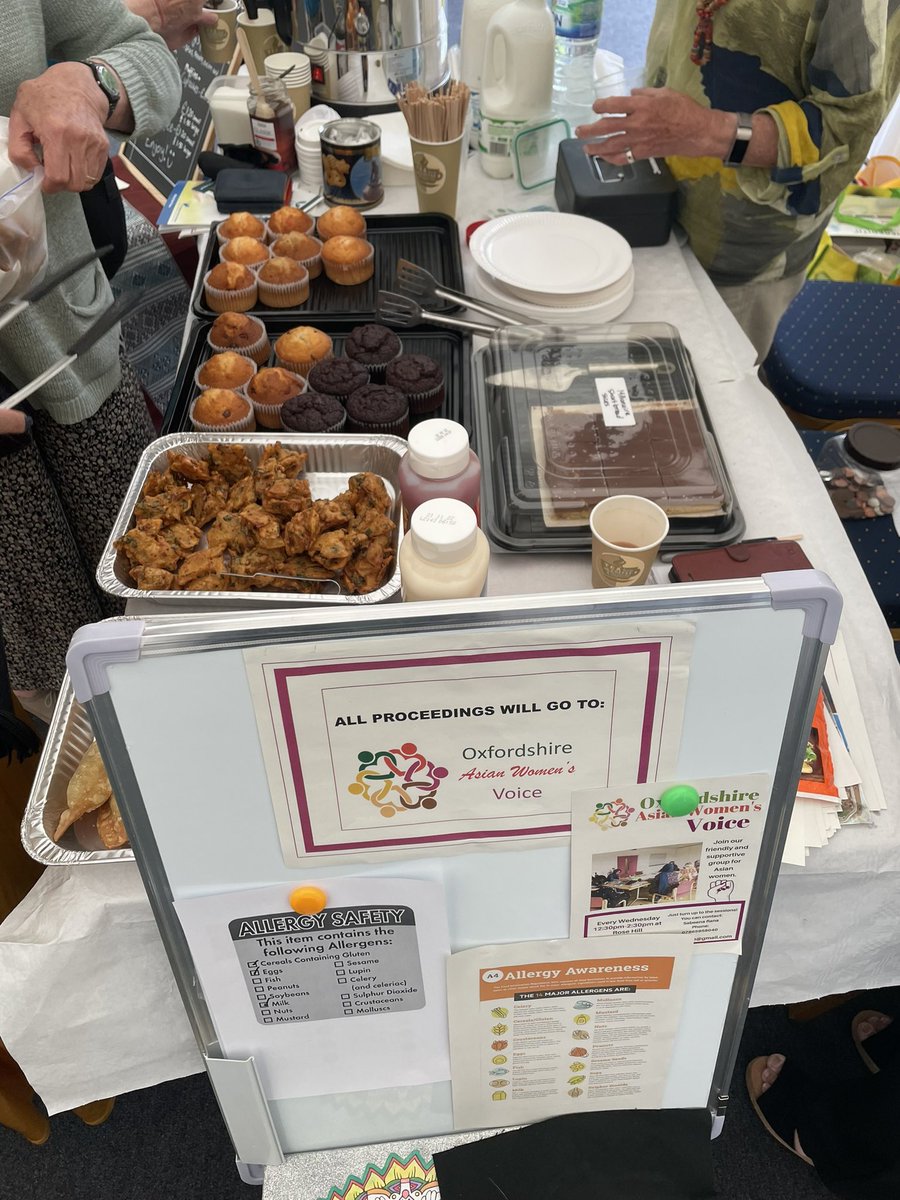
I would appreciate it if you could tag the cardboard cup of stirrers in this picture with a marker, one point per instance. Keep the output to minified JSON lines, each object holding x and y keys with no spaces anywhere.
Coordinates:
{"x":437,"y":133}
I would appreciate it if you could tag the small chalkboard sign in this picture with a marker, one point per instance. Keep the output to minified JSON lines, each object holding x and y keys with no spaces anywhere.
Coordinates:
{"x":160,"y":161}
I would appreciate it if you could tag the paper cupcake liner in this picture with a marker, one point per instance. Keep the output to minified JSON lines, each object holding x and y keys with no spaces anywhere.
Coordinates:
{"x":301,"y":368}
{"x":314,"y":263}
{"x":325,"y":236}
{"x":239,"y":300}
{"x":426,"y":402}
{"x":272,"y":236}
{"x":268,"y":416}
{"x":222,"y":238}
{"x":349,"y":274}
{"x":239,"y":387}
{"x":243,"y":426}
{"x":400,"y":427}
{"x":284,"y":295}
{"x":260,"y":351}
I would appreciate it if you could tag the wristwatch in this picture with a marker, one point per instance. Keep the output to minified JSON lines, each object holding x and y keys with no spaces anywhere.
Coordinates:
{"x":106,"y":82}
{"x":741,"y":140}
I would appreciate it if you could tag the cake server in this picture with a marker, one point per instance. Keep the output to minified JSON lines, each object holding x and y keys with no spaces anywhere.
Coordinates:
{"x":560,"y":379}
{"x":417,"y":282}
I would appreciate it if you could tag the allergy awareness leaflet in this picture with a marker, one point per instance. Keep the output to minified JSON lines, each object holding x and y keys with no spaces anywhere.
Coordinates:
{"x":347,"y":999}
{"x":543,"y":1028}
{"x":637,"y":869}
{"x":449,"y":737}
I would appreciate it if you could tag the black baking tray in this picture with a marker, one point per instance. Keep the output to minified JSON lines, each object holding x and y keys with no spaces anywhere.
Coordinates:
{"x":508,"y":473}
{"x":451,"y":348}
{"x":430,"y":240}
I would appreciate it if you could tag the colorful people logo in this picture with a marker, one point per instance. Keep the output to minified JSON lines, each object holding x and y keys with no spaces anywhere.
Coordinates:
{"x":612,"y":814}
{"x":397,"y":780}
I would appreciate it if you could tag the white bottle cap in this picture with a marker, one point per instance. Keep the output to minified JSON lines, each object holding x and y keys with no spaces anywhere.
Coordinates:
{"x":443,"y":530}
{"x":438,"y":449}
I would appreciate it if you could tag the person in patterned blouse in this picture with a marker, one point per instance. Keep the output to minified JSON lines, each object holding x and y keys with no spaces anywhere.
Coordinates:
{"x":764,"y":111}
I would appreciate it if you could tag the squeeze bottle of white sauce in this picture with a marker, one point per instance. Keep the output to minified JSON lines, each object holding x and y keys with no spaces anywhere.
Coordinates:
{"x":516,"y":79}
{"x":445,"y":555}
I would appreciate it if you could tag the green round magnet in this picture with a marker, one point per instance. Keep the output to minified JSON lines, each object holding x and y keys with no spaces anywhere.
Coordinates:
{"x":679,"y":800}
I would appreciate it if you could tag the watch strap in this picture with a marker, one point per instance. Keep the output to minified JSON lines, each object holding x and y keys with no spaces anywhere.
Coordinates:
{"x":742,"y":137}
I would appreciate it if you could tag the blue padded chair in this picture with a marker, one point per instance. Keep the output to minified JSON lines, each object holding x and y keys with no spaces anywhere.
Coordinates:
{"x":877,"y":546}
{"x":836,"y":354}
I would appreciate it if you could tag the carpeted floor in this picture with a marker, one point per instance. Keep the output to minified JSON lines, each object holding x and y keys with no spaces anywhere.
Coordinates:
{"x":169,"y":1143}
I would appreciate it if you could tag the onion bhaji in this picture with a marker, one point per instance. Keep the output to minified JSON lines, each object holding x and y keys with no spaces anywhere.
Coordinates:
{"x":220,"y":524}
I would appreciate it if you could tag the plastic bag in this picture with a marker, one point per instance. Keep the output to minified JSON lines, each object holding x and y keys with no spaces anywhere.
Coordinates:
{"x":835,"y":264}
{"x":23,"y":229}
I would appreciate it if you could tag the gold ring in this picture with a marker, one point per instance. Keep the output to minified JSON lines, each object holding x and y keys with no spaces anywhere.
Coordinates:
{"x":629,"y":157}
{"x":92,"y":178}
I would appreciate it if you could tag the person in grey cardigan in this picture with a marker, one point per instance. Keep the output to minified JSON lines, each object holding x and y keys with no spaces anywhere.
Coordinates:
{"x":67,"y":463}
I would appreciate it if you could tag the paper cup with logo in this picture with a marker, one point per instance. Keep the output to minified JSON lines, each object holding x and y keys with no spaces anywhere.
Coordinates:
{"x":437,"y":167}
{"x":262,"y":36}
{"x":218,"y":42}
{"x":625,"y":535}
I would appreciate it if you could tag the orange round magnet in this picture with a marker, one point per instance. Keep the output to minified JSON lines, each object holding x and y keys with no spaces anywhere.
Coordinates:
{"x":307,"y":900}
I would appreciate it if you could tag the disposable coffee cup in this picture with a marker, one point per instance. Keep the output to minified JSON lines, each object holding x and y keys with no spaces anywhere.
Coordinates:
{"x":218,"y":41}
{"x":294,"y":71}
{"x":626,"y":532}
{"x":262,"y":37}
{"x":436,"y":168}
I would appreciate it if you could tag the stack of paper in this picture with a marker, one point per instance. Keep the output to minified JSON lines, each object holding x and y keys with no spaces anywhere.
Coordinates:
{"x":839,"y":782}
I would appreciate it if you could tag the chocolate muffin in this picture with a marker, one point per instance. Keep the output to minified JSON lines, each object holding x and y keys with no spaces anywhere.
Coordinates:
{"x":420,"y":379}
{"x":374,"y":346}
{"x":374,"y":408}
{"x":313,"y":413}
{"x":338,"y":377}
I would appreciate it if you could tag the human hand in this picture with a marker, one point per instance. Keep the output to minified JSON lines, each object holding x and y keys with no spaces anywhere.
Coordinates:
{"x":176,"y":21}
{"x":63,"y":110}
{"x":12,"y":421}
{"x":657,"y":122}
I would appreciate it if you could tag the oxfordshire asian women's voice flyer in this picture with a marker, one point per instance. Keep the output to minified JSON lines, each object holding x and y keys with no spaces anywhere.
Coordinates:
{"x":414,"y":743}
{"x":638,"y":868}
{"x":543,"y":1028}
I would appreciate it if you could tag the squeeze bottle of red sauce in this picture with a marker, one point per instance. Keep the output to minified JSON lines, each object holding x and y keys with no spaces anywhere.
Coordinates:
{"x":439,"y":465}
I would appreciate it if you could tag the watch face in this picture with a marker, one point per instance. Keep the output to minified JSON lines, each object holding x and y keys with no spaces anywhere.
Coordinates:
{"x":107,"y":80}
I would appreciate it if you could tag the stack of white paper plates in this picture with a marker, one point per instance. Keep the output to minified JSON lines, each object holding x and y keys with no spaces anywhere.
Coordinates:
{"x":554,"y":260}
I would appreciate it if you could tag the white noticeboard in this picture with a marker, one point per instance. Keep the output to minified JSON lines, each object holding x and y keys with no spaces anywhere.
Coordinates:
{"x":417,"y":763}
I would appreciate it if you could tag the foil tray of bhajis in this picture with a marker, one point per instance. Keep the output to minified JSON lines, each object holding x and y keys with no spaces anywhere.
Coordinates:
{"x":247,"y":520}
{"x":71,"y":817}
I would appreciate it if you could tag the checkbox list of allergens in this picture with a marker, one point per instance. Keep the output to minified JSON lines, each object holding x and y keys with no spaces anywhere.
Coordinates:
{"x":342,"y":962}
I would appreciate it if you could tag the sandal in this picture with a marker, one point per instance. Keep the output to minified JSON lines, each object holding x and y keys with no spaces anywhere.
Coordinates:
{"x":778,"y":1106}
{"x":863,"y":1045}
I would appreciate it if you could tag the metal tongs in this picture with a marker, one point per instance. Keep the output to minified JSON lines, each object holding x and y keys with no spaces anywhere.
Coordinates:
{"x":322,"y":582}
{"x":102,"y":325}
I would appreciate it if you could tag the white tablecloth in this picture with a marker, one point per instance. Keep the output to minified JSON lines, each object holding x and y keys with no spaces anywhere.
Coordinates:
{"x":87,"y":1002}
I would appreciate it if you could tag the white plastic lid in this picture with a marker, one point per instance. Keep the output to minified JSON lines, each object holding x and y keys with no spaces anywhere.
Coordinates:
{"x":443,"y":530}
{"x":438,"y":449}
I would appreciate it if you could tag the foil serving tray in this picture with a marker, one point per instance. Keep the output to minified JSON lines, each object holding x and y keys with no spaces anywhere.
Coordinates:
{"x":69,"y":736}
{"x":333,"y":458}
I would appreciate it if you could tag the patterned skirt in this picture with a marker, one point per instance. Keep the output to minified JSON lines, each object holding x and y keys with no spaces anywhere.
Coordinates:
{"x":59,"y":496}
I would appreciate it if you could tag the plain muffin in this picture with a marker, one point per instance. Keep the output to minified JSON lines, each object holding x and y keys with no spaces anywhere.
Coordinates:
{"x":348,"y":260}
{"x":340,"y":221}
{"x":283,"y":283}
{"x":305,"y":249}
{"x":230,"y":287}
{"x":241,"y":224}
{"x":301,"y":347}
{"x":289,"y":220}
{"x":247,"y":250}
{"x":226,"y":370}
{"x":269,"y":389}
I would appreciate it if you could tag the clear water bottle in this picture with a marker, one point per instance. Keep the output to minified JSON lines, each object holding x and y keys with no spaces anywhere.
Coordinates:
{"x":577,"y":33}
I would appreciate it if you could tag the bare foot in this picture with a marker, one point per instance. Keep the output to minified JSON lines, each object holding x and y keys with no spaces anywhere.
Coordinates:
{"x":770,"y":1074}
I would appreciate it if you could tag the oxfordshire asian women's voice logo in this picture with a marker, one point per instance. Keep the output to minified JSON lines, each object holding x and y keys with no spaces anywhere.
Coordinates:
{"x":398,"y":780}
{"x":612,"y":814}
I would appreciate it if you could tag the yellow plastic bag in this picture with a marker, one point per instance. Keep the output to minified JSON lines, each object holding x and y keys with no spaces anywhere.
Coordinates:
{"x":882,"y":171}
